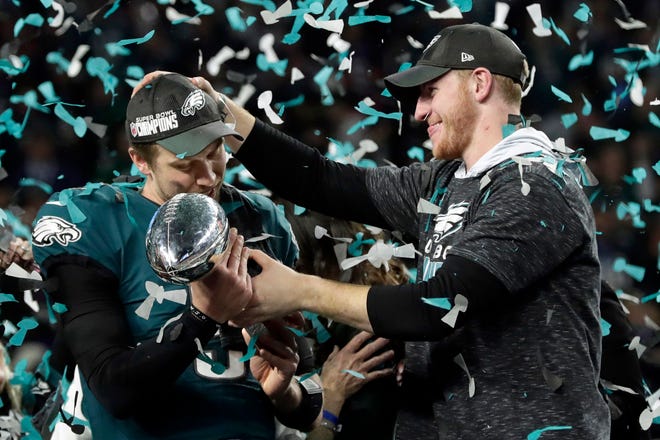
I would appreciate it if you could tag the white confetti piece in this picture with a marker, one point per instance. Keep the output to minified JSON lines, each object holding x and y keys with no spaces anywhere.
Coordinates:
{"x":216,"y":61}
{"x":335,"y":41}
{"x":453,"y":12}
{"x":414,"y":43}
{"x":460,"y":305}
{"x":347,"y":63}
{"x":458,"y":359}
{"x":266,"y":46}
{"x":75,"y":66}
{"x":56,"y":21}
{"x":426,"y":207}
{"x":16,"y":271}
{"x":262,"y":237}
{"x":637,"y":92}
{"x":656,"y":101}
{"x":30,"y":301}
{"x":501,"y":12}
{"x":336,"y":26}
{"x":364,"y":146}
{"x":636,"y":345}
{"x":273,"y":17}
{"x":534,"y":11}
{"x":296,"y":75}
{"x":158,"y":294}
{"x":263,"y":102}
{"x":631,"y":24}
{"x":175,"y":16}
{"x":244,"y":94}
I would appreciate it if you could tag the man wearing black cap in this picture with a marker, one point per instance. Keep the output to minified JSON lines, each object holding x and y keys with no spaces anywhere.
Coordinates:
{"x":504,"y":318}
{"x":158,"y":359}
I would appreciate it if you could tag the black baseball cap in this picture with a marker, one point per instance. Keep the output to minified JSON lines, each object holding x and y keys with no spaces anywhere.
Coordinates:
{"x":174,"y":113}
{"x":463,"y":46}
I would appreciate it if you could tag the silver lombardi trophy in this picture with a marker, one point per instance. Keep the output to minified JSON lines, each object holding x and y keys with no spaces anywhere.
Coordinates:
{"x":183,"y":234}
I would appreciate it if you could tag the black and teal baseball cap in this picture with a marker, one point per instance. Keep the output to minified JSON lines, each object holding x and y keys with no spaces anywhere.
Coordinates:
{"x":171,"y":111}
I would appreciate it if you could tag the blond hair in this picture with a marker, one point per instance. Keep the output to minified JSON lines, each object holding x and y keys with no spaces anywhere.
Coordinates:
{"x":6,"y":375}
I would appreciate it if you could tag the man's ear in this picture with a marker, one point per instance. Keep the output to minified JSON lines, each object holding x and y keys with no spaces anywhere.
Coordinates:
{"x":483,"y":83}
{"x":139,"y":161}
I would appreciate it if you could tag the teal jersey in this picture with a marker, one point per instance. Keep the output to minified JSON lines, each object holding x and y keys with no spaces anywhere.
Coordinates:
{"x":108,"y":224}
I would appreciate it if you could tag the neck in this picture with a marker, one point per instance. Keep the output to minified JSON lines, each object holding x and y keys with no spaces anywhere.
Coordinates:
{"x":488,"y":132}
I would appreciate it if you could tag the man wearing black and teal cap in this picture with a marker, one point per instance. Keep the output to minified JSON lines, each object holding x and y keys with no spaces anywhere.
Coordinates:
{"x":158,"y":360}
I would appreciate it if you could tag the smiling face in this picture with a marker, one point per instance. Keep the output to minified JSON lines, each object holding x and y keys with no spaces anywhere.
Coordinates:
{"x":451,"y":113}
{"x":169,"y":175}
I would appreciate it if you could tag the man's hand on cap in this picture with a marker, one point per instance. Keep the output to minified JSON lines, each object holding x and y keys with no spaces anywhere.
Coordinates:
{"x":147,"y":79}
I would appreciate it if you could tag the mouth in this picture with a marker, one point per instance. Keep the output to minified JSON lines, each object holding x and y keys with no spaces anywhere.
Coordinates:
{"x":433,"y":128}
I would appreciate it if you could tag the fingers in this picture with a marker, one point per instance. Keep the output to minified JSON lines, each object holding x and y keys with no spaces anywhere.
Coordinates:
{"x":375,"y":361}
{"x":147,"y":79}
{"x":235,"y":256}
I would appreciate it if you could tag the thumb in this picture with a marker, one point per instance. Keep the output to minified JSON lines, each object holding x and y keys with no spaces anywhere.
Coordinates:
{"x":259,"y":257}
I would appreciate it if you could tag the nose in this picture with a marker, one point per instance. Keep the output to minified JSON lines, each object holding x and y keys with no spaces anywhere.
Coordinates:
{"x":205,"y":176}
{"x":422,"y":109}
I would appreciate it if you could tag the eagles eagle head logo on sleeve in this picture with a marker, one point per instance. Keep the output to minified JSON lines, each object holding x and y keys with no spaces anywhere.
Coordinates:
{"x":49,"y":230}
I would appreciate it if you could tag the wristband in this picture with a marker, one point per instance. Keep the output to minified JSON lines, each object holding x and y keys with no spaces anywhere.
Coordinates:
{"x":201,"y":316}
{"x":330,"y":416}
{"x":303,"y":417}
{"x":330,"y":421}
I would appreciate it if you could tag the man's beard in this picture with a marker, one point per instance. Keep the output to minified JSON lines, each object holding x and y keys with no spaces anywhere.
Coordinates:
{"x":457,"y":129}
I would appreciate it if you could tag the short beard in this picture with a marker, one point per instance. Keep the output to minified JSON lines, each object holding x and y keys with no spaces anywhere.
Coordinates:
{"x":458,"y":129}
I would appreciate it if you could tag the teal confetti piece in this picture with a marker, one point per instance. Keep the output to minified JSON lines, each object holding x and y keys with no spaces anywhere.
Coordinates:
{"x":298,"y":100}
{"x":650,"y":207}
{"x":99,"y":67}
{"x":10,"y":69}
{"x":580,"y":60}
{"x":586,"y":108}
{"x":112,"y":9}
{"x":355,"y":20}
{"x":600,"y":133}
{"x":78,"y":124}
{"x":298,"y":210}
{"x":612,"y":80}
{"x":119,"y":47}
{"x":59,"y":60}
{"x":354,"y":373}
{"x":654,"y":119}
{"x":543,"y":223}
{"x":60,"y":308}
{"x":33,"y":19}
{"x":7,"y":297}
{"x":583,"y":13}
{"x":371,"y":120}
{"x":236,"y":21}
{"x":442,"y":303}
{"x":560,"y":33}
{"x":656,"y":168}
{"x":560,"y":94}
{"x":636,"y":272}
{"x":48,"y":92}
{"x":569,"y":119}
{"x":321,"y":79}
{"x":416,"y":153}
{"x":29,"y":100}
{"x":462,"y":5}
{"x":651,"y":297}
{"x":29,"y":181}
{"x":25,"y":325}
{"x":363,"y":108}
{"x":508,"y":129}
{"x":279,"y":67}
{"x":202,"y":8}
{"x":639,"y":174}
{"x":605,"y":327}
{"x":610,"y":104}
{"x":75,"y":213}
{"x":251,"y":348}
{"x":535,"y":435}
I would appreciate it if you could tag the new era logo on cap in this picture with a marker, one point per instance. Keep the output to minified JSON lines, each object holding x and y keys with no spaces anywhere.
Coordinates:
{"x":466,"y":57}
{"x":172,"y":112}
